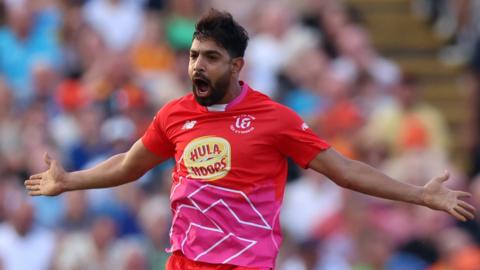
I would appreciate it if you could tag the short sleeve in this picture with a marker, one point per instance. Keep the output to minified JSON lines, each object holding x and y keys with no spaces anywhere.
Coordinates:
{"x":297,"y":141}
{"x":155,"y":139}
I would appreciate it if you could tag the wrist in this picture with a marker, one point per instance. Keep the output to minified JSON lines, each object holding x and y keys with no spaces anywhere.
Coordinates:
{"x":422,"y":196}
{"x":66,"y":184}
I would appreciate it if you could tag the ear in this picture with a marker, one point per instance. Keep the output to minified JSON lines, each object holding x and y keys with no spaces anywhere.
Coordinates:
{"x":237,"y":65}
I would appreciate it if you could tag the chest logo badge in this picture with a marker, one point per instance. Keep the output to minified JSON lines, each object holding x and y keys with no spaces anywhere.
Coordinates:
{"x":207,"y":158}
{"x":242,"y":124}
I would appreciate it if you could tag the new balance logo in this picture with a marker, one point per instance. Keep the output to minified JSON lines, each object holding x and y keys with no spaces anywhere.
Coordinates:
{"x":304,"y":126}
{"x":189,"y":125}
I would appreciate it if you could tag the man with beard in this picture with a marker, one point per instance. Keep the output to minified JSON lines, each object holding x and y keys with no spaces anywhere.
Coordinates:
{"x":230,"y":144}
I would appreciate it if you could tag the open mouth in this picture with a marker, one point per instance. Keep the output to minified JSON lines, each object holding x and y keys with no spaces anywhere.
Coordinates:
{"x":202,"y":87}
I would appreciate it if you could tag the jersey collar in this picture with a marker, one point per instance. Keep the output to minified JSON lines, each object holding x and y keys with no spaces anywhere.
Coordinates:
{"x":231,"y":104}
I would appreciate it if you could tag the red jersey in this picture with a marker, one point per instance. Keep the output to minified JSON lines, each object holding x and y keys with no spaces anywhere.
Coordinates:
{"x":230,"y":174}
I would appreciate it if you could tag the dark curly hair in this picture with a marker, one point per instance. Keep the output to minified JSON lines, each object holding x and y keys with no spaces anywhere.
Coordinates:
{"x":224,"y":30}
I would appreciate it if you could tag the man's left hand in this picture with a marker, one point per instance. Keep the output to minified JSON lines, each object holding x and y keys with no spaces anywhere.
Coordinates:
{"x":439,"y":197}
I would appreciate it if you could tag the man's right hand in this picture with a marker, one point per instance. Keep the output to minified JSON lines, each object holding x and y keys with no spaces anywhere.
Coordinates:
{"x":50,"y":182}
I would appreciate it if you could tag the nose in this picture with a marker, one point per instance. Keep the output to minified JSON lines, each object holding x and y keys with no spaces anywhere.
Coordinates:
{"x":198,"y":65}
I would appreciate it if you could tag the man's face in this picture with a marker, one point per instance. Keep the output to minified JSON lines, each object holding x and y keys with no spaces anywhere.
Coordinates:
{"x":210,"y":69}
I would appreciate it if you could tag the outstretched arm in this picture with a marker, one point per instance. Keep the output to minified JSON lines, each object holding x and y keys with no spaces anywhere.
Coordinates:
{"x":118,"y":169}
{"x":363,"y":178}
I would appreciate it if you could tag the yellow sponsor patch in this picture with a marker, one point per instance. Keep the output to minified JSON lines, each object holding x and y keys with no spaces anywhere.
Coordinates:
{"x":207,"y":158}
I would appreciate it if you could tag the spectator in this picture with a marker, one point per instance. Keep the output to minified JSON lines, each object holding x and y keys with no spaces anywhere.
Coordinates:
{"x":88,"y":250}
{"x":357,"y":56}
{"x":116,"y":21}
{"x":278,"y":40}
{"x":341,"y":117}
{"x":10,"y":127}
{"x":155,"y":219}
{"x":31,"y":34}
{"x":409,"y":123}
{"x":320,"y":201}
{"x":20,"y":233}
{"x":457,"y":251}
{"x":89,"y":145}
{"x":181,"y":23}
{"x":305,"y":96}
{"x":77,"y":215}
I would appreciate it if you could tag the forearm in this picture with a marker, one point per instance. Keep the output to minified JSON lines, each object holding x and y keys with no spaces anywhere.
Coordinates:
{"x":111,"y":172}
{"x":360,"y":177}
{"x":366,"y":179}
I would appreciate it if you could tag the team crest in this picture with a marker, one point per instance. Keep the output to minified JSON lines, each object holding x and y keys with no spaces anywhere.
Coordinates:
{"x":242,"y":124}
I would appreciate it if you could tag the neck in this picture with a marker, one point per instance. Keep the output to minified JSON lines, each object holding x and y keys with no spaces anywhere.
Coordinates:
{"x":233,"y":91}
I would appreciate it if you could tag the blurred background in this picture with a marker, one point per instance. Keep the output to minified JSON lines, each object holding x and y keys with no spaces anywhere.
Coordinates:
{"x":394,"y":83}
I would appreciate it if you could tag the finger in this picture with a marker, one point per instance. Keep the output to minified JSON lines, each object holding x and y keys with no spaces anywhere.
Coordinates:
{"x":464,"y":212}
{"x":47,"y":158}
{"x":457,"y":215}
{"x":463,"y":194}
{"x":444,"y":177}
{"x":32,"y":182}
{"x":36,"y":176}
{"x":34,"y":193}
{"x":467,"y":206}
{"x":33,"y":188}
{"x":30,"y":188}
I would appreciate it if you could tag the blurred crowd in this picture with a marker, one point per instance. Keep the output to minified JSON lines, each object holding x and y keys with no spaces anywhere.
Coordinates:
{"x":82,"y":80}
{"x":455,"y":22}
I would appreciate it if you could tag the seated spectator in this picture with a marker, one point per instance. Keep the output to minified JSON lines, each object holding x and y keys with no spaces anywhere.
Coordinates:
{"x":20,"y":233}
{"x":181,"y":23}
{"x":151,"y":53}
{"x":342,"y":117}
{"x":116,"y":21}
{"x":409,"y":123}
{"x":357,"y":56}
{"x":155,"y":220}
{"x":88,"y":250}
{"x":29,"y":37}
{"x":457,"y":251}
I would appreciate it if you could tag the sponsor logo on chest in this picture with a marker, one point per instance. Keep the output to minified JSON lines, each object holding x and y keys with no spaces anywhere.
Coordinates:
{"x":207,"y":158}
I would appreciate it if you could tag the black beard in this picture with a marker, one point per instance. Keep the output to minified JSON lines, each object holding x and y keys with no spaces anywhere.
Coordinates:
{"x":218,"y":91}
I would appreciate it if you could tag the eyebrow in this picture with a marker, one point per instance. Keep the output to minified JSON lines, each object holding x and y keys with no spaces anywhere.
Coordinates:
{"x":208,"y":52}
